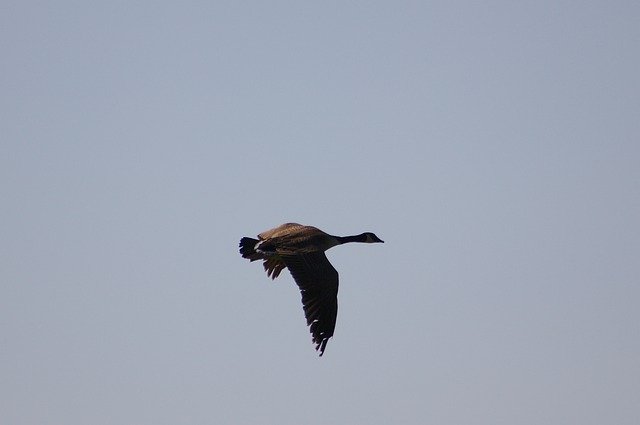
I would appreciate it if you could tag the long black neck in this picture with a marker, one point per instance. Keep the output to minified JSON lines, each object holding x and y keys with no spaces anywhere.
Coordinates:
{"x":355,"y":238}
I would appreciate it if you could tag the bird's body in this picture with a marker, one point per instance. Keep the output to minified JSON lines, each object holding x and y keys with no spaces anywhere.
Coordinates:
{"x":301,"y":249}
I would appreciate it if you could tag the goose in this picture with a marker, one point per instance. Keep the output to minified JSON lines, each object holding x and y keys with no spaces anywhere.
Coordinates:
{"x":301,"y":249}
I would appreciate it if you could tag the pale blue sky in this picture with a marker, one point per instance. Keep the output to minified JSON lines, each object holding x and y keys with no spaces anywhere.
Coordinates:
{"x":494,"y":146}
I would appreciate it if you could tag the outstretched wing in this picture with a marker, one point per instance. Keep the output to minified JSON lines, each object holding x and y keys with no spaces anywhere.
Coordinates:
{"x":318,"y":283}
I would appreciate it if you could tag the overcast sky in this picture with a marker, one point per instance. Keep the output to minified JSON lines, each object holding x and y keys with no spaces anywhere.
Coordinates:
{"x":494,"y":146}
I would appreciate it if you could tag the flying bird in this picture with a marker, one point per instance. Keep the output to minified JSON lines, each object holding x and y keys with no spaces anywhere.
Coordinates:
{"x":301,"y":249}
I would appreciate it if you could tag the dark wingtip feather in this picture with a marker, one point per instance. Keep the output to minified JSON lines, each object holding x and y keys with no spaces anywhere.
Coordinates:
{"x":321,"y":346}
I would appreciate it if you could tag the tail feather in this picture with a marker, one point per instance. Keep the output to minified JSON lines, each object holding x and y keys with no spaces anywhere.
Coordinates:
{"x":247,"y":249}
{"x":273,"y":265}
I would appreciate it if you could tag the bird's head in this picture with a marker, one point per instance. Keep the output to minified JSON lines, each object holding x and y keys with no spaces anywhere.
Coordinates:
{"x":372,"y":238}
